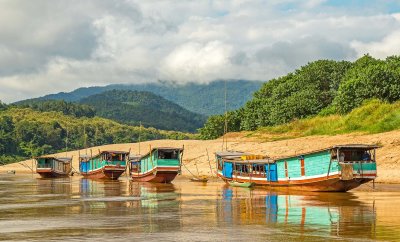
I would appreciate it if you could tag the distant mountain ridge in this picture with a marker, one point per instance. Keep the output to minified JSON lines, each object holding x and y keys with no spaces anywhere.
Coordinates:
{"x":135,"y":107}
{"x":206,"y":99}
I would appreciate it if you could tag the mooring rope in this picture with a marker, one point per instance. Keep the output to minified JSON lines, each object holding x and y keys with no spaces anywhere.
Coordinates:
{"x":188,"y":170}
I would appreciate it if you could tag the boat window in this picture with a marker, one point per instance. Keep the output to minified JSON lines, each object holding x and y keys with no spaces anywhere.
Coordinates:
{"x":347,"y":155}
{"x":168,"y":154}
{"x":135,"y":166}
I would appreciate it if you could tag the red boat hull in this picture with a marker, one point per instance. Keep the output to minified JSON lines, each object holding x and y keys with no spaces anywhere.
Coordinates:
{"x":105,"y":173}
{"x":324,"y":184}
{"x":157,"y":175}
{"x":49,"y":173}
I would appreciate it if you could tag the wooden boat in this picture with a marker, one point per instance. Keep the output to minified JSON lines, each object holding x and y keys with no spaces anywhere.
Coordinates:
{"x":241,"y":184}
{"x":199,"y":179}
{"x":160,"y":165}
{"x":53,"y":167}
{"x":338,"y":168}
{"x":105,"y":165}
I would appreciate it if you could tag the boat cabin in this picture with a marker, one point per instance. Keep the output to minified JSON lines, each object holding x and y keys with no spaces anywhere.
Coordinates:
{"x":157,"y":157}
{"x":343,"y":162}
{"x":240,"y":164}
{"x":134,"y":163}
{"x":104,"y":158}
{"x":59,"y":165}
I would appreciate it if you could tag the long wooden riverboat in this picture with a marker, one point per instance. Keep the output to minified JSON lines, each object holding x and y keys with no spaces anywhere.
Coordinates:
{"x":338,"y":168}
{"x":53,"y":167}
{"x":160,"y":165}
{"x":105,"y":165}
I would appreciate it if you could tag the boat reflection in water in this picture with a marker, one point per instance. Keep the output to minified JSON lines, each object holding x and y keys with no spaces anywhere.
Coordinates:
{"x":308,"y":215}
{"x":158,"y":204}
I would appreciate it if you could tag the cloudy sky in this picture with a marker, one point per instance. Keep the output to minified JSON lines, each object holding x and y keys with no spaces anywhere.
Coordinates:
{"x":52,"y":46}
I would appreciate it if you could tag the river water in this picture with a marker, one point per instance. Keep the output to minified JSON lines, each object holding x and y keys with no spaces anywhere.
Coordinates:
{"x":33,"y":209}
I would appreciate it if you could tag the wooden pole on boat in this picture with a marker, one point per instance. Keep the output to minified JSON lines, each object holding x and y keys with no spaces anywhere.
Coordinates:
{"x":209,"y":163}
{"x":84,"y":139}
{"x":233,"y":170}
{"x":226,"y":119}
{"x":151,"y":158}
{"x":329,"y":168}
{"x":66,"y":143}
{"x":90,"y":160}
{"x":127,"y":164}
{"x":140,"y":132}
{"x":250,"y":168}
{"x":79,"y":160}
{"x":181,"y":159}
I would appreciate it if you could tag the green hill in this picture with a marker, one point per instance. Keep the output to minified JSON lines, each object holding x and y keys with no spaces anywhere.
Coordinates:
{"x":132,"y":107}
{"x":206,"y":99}
{"x":373,"y":116}
{"x":67,"y":108}
{"x":26,"y":133}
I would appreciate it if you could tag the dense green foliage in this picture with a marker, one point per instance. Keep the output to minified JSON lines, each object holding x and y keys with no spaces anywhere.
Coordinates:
{"x":132,"y":107}
{"x":369,"y":78}
{"x":297,"y":95}
{"x":320,"y":88}
{"x":26,"y":133}
{"x":2,"y":106}
{"x":67,"y":108}
{"x":214,"y":127}
{"x":206,"y":99}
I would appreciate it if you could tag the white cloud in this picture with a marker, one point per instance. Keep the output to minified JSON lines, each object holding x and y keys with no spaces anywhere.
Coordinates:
{"x":197,"y":62}
{"x":50,"y":46}
{"x":389,"y":45}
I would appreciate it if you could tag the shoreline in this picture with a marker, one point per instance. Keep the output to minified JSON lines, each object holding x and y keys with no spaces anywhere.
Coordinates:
{"x":198,"y":155}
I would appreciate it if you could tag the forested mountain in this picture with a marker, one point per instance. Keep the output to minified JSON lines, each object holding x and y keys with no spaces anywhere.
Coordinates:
{"x":26,"y":133}
{"x":67,"y":108}
{"x":206,"y":99}
{"x":322,"y":87}
{"x":132,"y":107}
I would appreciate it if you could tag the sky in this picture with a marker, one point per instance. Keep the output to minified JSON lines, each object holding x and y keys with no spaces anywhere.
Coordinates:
{"x":53,"y":46}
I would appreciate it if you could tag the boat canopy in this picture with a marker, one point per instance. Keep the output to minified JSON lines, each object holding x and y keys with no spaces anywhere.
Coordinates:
{"x":62,"y":159}
{"x":356,"y":146}
{"x":231,"y":155}
{"x":242,"y":157}
{"x":118,"y":152}
{"x":335,"y":147}
{"x":260,"y":161}
{"x":134,"y":158}
{"x":162,"y":149}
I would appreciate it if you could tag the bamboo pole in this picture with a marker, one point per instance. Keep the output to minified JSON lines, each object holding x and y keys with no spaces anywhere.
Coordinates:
{"x":140,"y":132}
{"x":209,"y":163}
{"x":181,"y":159}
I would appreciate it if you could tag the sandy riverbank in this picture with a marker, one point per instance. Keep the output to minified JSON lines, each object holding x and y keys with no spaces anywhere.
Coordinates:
{"x":201,"y":152}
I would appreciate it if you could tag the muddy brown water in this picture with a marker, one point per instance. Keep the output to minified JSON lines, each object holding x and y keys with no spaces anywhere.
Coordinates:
{"x":33,"y":209}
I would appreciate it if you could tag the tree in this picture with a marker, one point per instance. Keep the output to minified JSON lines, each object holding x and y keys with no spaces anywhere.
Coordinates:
{"x":369,"y":78}
{"x":3,"y":106}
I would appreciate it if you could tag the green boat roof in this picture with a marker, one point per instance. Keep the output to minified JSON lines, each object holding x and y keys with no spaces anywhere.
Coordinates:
{"x":163,"y":149}
{"x":63,"y":159}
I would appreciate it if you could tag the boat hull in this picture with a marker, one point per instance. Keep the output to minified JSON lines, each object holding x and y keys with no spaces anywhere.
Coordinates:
{"x":50,"y":173}
{"x":324,"y":184}
{"x":105,"y":173}
{"x":157,"y":175}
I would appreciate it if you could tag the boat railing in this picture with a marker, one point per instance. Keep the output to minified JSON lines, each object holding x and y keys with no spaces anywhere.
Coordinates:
{"x":356,"y":161}
{"x":44,"y":166}
{"x":115,"y":162}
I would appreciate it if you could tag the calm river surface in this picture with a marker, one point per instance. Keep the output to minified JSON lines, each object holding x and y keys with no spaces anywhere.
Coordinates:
{"x":33,"y":209}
